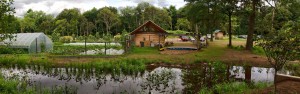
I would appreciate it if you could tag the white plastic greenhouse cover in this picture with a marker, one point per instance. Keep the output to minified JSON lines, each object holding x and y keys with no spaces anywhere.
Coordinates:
{"x":29,"y":41}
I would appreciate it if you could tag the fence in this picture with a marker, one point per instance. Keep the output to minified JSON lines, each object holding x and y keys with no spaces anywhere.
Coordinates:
{"x":95,"y":48}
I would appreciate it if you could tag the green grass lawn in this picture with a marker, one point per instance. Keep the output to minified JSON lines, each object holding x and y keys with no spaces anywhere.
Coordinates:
{"x":214,"y":52}
{"x":145,"y":50}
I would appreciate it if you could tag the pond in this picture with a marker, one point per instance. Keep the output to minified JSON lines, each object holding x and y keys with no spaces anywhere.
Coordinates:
{"x":155,"y":79}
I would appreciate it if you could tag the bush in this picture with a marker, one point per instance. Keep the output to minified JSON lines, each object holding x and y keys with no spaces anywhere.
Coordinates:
{"x":258,"y":50}
{"x":7,"y":50}
{"x":233,"y":88}
{"x":241,"y":47}
{"x":177,"y":32}
{"x":55,"y":36}
{"x":66,"y":39}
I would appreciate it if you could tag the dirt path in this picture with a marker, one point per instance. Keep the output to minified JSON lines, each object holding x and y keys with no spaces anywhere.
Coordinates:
{"x":286,"y":87}
{"x":244,"y":57}
{"x":239,"y":57}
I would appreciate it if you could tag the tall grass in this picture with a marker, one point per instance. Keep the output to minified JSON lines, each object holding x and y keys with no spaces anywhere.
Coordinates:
{"x":233,"y":88}
{"x":124,"y":66}
{"x":14,"y":85}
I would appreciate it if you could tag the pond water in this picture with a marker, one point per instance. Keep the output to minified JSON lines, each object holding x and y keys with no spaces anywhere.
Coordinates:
{"x":154,"y":80}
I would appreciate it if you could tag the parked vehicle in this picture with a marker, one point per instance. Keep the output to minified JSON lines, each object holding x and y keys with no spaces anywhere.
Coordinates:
{"x":242,"y":36}
{"x":184,"y":38}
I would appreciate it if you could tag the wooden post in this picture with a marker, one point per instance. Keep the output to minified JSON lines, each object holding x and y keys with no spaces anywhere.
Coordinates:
{"x":159,"y":41}
{"x":248,"y":74}
{"x":125,"y":46}
{"x":36,"y":45}
{"x":149,"y":41}
{"x":85,"y":45}
{"x":105,"y":48}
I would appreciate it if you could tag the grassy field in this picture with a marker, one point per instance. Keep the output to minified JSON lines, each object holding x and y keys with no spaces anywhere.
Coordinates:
{"x":216,"y":51}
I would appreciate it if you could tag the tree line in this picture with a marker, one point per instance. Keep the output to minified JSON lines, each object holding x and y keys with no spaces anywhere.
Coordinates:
{"x":238,"y":17}
{"x":250,"y":17}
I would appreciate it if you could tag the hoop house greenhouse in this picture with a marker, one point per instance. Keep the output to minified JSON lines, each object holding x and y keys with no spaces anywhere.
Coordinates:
{"x":34,"y":42}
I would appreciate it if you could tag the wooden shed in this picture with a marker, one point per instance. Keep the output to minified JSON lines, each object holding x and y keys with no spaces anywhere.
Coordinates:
{"x":218,"y":34}
{"x":148,"y":34}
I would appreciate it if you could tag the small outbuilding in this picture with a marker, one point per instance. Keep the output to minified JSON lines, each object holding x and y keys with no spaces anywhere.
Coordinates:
{"x":148,"y":34}
{"x":218,"y":34}
{"x":34,"y":42}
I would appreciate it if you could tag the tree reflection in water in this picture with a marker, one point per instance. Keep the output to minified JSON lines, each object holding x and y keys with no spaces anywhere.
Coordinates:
{"x":132,"y":79}
{"x":162,"y":81}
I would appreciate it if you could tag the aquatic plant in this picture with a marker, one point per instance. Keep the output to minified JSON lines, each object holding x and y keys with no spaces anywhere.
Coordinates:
{"x":159,"y":81}
{"x":15,"y":85}
{"x":233,"y":88}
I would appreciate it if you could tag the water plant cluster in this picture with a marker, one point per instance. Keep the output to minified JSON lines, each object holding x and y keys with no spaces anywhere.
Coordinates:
{"x":233,"y":88}
{"x":162,"y":81}
{"x":14,"y":85}
{"x":207,"y":77}
{"x":124,"y":66}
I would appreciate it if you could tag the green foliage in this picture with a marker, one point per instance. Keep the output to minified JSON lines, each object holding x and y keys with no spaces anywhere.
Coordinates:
{"x":258,"y":50}
{"x":145,"y":50}
{"x":159,"y":16}
{"x":233,"y":88}
{"x":76,"y":50}
{"x":293,"y":68}
{"x":109,"y":18}
{"x":126,"y":66}
{"x":7,"y":50}
{"x":14,"y":85}
{"x":66,"y":39}
{"x":177,"y":32}
{"x":117,"y":37}
{"x":173,"y":14}
{"x":205,"y":90}
{"x":241,"y":47}
{"x":36,"y":21}
{"x":92,"y":38}
{"x":183,"y":24}
{"x":7,"y":20}
{"x":55,"y":37}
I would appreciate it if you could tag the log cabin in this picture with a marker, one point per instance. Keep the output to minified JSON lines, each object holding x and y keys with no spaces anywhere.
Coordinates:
{"x":148,"y":34}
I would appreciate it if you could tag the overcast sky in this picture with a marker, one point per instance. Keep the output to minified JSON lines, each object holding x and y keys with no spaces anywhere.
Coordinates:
{"x":56,"y":6}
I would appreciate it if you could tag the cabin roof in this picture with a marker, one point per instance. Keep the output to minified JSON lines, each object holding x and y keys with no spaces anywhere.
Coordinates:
{"x":149,"y":24}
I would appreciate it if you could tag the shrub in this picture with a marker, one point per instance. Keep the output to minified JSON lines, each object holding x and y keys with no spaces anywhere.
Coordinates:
{"x":258,"y":50}
{"x":7,"y":50}
{"x":66,"y":39}
{"x":55,"y":36}
{"x":240,"y":47}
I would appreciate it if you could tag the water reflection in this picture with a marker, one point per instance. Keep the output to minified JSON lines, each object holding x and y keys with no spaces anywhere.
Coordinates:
{"x":158,"y":80}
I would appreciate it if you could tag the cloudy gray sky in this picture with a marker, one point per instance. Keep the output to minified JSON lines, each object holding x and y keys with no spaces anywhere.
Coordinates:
{"x":56,"y":6}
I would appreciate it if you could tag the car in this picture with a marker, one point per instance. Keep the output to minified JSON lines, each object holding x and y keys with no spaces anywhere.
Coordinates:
{"x":184,"y":38}
{"x":242,"y":36}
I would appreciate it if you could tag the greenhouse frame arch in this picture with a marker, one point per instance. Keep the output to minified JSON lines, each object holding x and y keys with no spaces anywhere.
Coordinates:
{"x":34,"y":42}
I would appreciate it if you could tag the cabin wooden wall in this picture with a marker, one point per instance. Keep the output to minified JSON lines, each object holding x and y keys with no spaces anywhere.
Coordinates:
{"x":219,"y":35}
{"x":149,"y":38}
